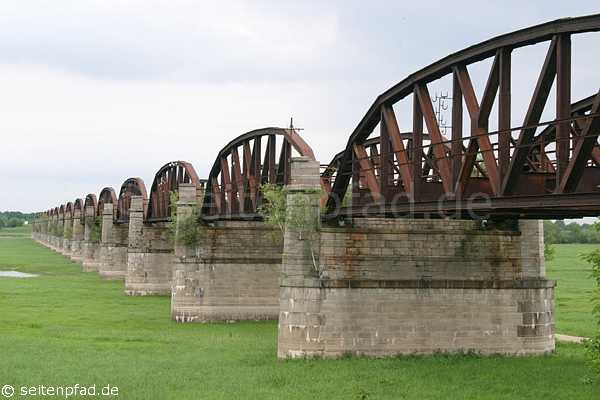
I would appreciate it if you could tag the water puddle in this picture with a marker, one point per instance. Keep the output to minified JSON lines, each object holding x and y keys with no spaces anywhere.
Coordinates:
{"x":16,"y":274}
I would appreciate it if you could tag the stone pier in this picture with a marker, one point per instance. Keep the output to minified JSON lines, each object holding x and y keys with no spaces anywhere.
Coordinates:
{"x":112,"y":255}
{"x":150,"y":254}
{"x":382,"y":287}
{"x":90,"y":245}
{"x":60,"y":231}
{"x":231,"y":273}
{"x":67,"y":233}
{"x":78,"y":235}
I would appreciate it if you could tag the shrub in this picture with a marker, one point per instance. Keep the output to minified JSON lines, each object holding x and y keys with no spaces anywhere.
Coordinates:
{"x":549,"y":251}
{"x":274,"y":211}
{"x":68,"y":233}
{"x":95,"y":227}
{"x":58,"y":230}
{"x":186,"y":231}
{"x":273,"y":207}
{"x":593,"y":344}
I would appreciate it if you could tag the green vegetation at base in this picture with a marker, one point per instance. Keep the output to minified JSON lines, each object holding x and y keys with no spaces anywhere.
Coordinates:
{"x":66,"y":327}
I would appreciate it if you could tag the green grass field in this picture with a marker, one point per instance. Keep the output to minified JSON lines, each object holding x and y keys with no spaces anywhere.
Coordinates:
{"x":574,"y":289}
{"x":67,"y":327}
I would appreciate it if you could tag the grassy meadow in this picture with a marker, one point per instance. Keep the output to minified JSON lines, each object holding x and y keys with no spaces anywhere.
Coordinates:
{"x":66,"y":327}
{"x":574,"y":289}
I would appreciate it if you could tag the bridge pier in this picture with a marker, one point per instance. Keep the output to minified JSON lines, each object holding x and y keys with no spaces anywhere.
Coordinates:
{"x":112,"y":255}
{"x":149,"y":255}
{"x":383,"y":287}
{"x":67,"y":234}
{"x":90,"y":247}
{"x":60,"y":231}
{"x":77,"y":239}
{"x":230,"y":273}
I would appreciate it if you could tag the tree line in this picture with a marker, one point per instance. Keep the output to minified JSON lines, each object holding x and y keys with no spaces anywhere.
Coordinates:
{"x":12,"y":219}
{"x":559,"y":232}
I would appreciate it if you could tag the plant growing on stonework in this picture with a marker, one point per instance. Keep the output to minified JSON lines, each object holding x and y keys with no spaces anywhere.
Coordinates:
{"x":58,"y":230}
{"x":184,"y":231}
{"x":593,"y":344}
{"x":274,"y":211}
{"x":273,"y":207}
{"x":95,"y":227}
{"x":68,"y":233}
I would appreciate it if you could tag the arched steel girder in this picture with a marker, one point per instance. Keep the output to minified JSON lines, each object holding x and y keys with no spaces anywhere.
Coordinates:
{"x":233,"y":185}
{"x":131,"y":187}
{"x":78,"y":205}
{"x":509,"y":183}
{"x":167,"y":180}
{"x":69,"y":210}
{"x":107,"y":196}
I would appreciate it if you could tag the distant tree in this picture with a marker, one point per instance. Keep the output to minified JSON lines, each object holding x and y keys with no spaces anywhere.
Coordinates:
{"x":559,"y":232}
{"x":14,"y":222}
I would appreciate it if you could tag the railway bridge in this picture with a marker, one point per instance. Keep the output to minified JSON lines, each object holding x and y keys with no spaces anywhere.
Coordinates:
{"x":409,"y":241}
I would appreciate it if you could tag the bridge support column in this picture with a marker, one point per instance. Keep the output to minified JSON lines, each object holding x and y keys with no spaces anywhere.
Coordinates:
{"x":68,"y":234}
{"x":90,"y":245}
{"x":112,"y":258}
{"x":52,"y":231}
{"x":77,"y":239}
{"x":60,"y":232}
{"x":300,"y":294}
{"x":230,"y":273}
{"x":149,"y":256}
{"x":383,"y":287}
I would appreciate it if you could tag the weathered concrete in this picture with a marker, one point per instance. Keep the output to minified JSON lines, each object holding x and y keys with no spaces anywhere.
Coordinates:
{"x":112,"y":255}
{"x":382,"y":287}
{"x":150,"y":255}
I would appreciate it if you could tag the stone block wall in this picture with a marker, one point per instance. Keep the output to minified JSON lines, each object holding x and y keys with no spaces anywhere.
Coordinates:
{"x":382,"y":320}
{"x":383,"y":287}
{"x":89,"y":248}
{"x":376,"y":248}
{"x":78,"y":236}
{"x":112,"y":255}
{"x":149,"y":256}
{"x":231,"y":274}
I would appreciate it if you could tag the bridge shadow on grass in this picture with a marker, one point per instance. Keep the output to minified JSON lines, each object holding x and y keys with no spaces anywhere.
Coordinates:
{"x":68,"y":327}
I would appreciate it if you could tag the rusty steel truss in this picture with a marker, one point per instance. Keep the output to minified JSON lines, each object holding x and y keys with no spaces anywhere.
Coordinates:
{"x":131,"y":187}
{"x":495,"y":169}
{"x":256,"y":158}
{"x":166,"y":181}
{"x":509,"y":172}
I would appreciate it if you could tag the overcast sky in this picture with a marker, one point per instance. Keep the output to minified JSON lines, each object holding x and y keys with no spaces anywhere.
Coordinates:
{"x":94,"y":92}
